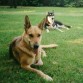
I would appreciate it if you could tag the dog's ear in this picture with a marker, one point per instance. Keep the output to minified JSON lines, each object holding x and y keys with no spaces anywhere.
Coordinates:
{"x":41,"y":24}
{"x":27,"y":22}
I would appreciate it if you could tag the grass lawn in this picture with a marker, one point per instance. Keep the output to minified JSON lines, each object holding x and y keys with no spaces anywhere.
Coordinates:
{"x":64,"y":64}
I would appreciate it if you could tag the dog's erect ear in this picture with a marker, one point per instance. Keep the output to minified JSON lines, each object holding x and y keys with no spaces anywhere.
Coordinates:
{"x":27,"y":22}
{"x":41,"y":24}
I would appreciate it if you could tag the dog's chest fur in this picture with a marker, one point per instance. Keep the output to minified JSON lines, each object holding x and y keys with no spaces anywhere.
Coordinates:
{"x":50,"y":20}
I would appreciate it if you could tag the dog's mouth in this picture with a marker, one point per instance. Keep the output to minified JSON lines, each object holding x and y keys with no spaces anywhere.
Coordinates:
{"x":36,"y":51}
{"x":35,"y":47}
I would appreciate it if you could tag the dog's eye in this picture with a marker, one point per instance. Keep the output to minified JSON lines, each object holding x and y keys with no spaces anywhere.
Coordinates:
{"x":38,"y":35}
{"x":30,"y":35}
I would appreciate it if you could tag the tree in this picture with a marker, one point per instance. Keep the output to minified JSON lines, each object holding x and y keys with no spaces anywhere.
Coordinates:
{"x":13,"y":3}
{"x":60,"y":3}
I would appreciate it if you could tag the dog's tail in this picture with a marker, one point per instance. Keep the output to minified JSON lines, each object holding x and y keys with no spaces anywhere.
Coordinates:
{"x":68,"y":26}
{"x":10,"y":51}
{"x":40,"y":73}
{"x":49,"y":46}
{"x":12,"y":44}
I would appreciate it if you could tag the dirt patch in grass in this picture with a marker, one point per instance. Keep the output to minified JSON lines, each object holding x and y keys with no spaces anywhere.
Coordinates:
{"x":76,"y":41}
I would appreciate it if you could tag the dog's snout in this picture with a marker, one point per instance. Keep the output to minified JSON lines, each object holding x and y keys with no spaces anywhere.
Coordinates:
{"x":36,"y":46}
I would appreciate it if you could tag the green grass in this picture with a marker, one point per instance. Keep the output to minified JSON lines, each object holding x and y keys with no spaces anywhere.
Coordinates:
{"x":64,"y":64}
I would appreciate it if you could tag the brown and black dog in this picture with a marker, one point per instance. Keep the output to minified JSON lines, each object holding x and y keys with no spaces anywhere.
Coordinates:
{"x":27,"y":49}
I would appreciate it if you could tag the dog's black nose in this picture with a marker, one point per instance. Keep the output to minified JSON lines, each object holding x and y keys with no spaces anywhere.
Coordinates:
{"x":52,"y":18}
{"x":36,"y":46}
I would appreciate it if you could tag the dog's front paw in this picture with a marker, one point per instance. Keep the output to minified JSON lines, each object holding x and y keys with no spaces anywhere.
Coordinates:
{"x":44,"y":54}
{"x":47,"y":30}
{"x":48,"y":78}
{"x":39,"y":63}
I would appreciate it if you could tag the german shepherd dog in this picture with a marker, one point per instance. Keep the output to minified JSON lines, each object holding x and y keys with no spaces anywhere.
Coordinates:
{"x":54,"y":24}
{"x":27,"y":50}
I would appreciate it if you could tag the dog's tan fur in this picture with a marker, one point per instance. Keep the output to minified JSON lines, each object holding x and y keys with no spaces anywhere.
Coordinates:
{"x":22,"y":48}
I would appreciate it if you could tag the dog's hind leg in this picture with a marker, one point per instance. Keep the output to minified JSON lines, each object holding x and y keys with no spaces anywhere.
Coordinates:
{"x":40,"y":73}
{"x":43,"y":53}
{"x":59,"y":29}
{"x":65,"y":27}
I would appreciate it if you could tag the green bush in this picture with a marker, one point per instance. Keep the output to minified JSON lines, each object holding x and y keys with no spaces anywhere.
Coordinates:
{"x":60,"y":3}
